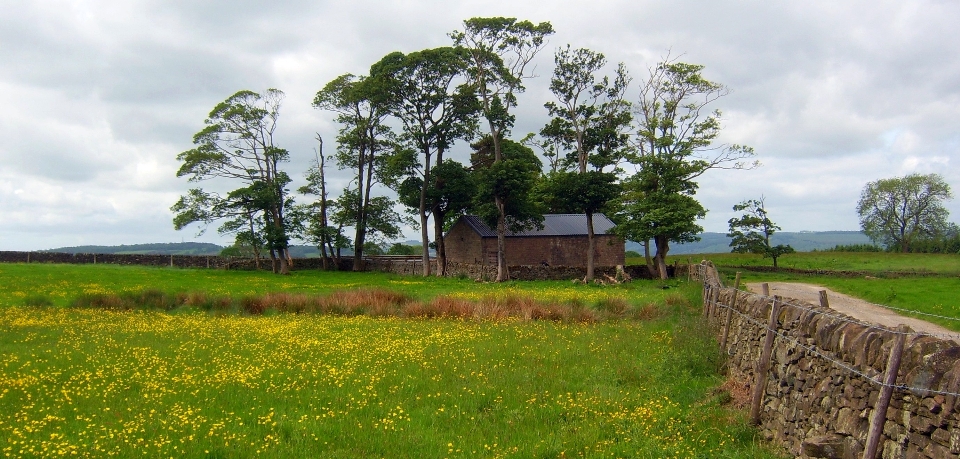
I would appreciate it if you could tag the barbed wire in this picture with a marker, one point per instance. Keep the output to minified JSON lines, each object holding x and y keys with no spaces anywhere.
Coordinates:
{"x":838,"y":363}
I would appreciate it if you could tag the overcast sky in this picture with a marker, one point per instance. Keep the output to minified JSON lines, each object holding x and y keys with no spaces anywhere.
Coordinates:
{"x":99,"y":97}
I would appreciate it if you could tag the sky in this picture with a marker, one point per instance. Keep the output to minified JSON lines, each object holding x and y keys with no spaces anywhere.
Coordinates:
{"x":99,"y":97}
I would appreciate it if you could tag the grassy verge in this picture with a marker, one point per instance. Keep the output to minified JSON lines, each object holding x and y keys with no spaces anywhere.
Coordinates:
{"x":868,"y":262}
{"x":924,"y":283}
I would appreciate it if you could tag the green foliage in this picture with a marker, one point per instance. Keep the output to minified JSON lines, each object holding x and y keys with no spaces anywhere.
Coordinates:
{"x":238,"y":145}
{"x":676,"y":135}
{"x":897,"y":212}
{"x":510,"y":180}
{"x":854,"y":248}
{"x":571,"y":192}
{"x":751,"y":232}
{"x":633,"y":254}
{"x":402,"y":249}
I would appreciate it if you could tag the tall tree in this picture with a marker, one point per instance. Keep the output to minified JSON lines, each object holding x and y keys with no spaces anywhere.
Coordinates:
{"x":315,"y":216}
{"x":513,"y":177}
{"x":499,"y":53}
{"x":675,"y":145}
{"x":435,"y":112}
{"x":589,"y":118}
{"x":365,"y":143}
{"x":898,"y":211}
{"x":238,"y":144}
{"x":750,"y":233}
{"x":449,"y":194}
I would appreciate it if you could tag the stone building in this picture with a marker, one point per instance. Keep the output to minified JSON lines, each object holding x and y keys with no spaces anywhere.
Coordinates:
{"x":561,"y":242}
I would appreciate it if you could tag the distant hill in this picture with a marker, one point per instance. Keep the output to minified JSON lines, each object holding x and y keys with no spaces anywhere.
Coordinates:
{"x":710,"y":243}
{"x":171,"y":248}
{"x":805,"y":241}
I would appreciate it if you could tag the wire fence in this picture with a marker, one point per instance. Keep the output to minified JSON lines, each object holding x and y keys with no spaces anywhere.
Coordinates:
{"x":728,"y":310}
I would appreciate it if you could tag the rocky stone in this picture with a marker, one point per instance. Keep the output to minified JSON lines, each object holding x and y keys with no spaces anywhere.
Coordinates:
{"x":824,"y":446}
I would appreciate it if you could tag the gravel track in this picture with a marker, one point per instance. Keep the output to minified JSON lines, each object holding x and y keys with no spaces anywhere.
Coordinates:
{"x":853,"y":307}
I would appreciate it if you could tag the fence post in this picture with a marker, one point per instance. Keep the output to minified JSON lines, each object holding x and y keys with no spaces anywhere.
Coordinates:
{"x":889,"y":380}
{"x":707,"y":293}
{"x":733,"y":304}
{"x":823,"y":299}
{"x":765,"y":289}
{"x":94,"y":258}
{"x":714,"y":295}
{"x":763,"y":366}
{"x":28,"y":257}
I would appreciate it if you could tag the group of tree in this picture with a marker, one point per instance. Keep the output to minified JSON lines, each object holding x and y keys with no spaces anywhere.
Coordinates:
{"x":900,"y":214}
{"x":636,"y":161}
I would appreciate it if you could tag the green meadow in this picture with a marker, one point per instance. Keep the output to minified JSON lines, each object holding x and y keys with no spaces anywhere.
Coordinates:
{"x":630,"y":375}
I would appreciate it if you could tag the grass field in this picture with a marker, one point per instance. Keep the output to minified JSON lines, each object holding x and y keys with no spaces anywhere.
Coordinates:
{"x":95,"y":383}
{"x":925,"y":283}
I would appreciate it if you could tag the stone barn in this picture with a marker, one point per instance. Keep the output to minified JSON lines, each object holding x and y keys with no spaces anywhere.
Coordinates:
{"x":561,"y":242}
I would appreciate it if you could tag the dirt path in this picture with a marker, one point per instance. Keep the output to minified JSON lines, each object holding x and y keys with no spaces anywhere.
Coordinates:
{"x":853,"y":307}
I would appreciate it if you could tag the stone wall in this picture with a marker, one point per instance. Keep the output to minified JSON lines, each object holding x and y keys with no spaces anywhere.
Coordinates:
{"x":826,"y":375}
{"x":399,"y":266}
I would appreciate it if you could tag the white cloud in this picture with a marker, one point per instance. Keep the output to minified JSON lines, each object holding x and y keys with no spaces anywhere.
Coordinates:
{"x":102,"y":94}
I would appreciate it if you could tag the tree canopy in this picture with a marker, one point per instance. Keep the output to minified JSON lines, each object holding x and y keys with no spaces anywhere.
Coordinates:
{"x":899,"y":211}
{"x":238,"y":144}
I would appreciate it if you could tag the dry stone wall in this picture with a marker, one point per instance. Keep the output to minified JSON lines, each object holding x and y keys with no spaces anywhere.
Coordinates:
{"x":404,"y":266}
{"x":826,"y":374}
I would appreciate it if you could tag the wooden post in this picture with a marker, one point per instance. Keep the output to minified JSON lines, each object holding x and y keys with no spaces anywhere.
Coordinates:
{"x":889,"y":380}
{"x":714,"y":295}
{"x":689,"y":269}
{"x":28,"y":257}
{"x":94,"y":258}
{"x":208,"y":262}
{"x":765,"y":288}
{"x":763,"y":366}
{"x":823,"y":299}
{"x":706,"y":299}
{"x":733,"y":304}
{"x":171,"y":261}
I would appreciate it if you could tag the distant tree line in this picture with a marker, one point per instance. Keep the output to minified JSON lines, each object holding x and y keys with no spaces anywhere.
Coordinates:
{"x":636,"y":160}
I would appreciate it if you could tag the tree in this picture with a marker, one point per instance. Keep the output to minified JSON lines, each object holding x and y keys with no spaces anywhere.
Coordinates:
{"x":675,"y":134}
{"x":238,"y":145}
{"x":449,"y":194}
{"x":751,"y":232}
{"x":499,"y":52}
{"x":314,"y":217}
{"x":433,"y":111}
{"x":896,"y":212}
{"x":509,"y":181}
{"x":589,"y":119}
{"x":364,"y":144}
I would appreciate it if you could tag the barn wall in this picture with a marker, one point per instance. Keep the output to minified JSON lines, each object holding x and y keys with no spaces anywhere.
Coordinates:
{"x":463,"y":244}
{"x":563,"y":251}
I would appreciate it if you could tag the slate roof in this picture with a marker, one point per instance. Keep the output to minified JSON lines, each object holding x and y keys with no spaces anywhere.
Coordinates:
{"x":553,"y":225}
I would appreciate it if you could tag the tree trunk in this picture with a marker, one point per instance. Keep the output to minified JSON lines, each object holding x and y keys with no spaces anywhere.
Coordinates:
{"x":591,"y":243}
{"x":273,"y":261}
{"x":646,"y":256}
{"x":503,"y":274}
{"x":424,"y":231}
{"x":438,"y":218}
{"x":662,"y":243}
